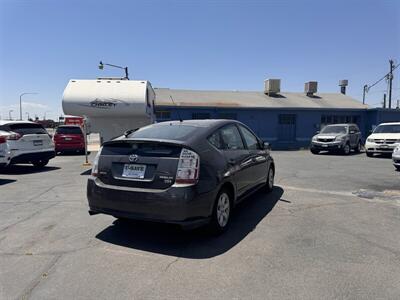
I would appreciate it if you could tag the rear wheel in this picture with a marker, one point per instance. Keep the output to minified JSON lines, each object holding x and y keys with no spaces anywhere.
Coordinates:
{"x":40,"y":163}
{"x":357,"y":149}
{"x":222,"y":212}
{"x":270,"y":179}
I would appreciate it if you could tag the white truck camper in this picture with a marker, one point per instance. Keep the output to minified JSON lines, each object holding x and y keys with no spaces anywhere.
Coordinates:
{"x":110,"y":106}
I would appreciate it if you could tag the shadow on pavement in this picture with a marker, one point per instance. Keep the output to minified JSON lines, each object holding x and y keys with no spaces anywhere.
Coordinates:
{"x":72,"y":153}
{"x":6,"y":181}
{"x":26,"y":169}
{"x":87,"y":172}
{"x":197,"y":244}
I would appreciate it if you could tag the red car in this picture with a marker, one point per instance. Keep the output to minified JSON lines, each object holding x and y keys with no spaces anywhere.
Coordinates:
{"x":68,"y":138}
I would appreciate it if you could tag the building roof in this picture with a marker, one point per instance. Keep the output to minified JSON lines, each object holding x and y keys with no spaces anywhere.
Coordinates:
{"x":249,"y":99}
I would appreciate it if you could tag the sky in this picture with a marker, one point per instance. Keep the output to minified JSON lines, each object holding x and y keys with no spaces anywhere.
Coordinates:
{"x":204,"y":44}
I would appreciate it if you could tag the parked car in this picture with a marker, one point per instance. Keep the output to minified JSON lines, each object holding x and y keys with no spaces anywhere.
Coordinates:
{"x":189,"y":173}
{"x":383,"y":139}
{"x":337,"y":137}
{"x":4,"y":149}
{"x":28,"y":142}
{"x":396,"y":157}
{"x":69,"y":138}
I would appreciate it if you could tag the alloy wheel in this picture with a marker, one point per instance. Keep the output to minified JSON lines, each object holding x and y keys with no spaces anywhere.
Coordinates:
{"x":223,"y":209}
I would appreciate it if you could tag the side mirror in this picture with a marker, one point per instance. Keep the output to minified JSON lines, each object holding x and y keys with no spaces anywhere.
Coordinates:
{"x":266,"y":146}
{"x":317,"y":132}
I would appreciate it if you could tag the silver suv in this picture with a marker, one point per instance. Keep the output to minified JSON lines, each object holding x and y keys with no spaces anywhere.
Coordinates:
{"x":337,"y":138}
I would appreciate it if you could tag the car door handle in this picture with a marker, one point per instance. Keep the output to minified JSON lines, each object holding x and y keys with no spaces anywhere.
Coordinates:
{"x":231,"y":161}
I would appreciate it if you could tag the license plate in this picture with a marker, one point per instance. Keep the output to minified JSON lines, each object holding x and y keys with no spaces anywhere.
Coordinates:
{"x":38,"y":143}
{"x":384,"y":146}
{"x":324,"y":145}
{"x":134,"y":171}
{"x":67,"y":139}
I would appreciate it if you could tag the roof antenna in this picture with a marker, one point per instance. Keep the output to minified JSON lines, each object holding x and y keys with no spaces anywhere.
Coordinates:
{"x":177,"y":110}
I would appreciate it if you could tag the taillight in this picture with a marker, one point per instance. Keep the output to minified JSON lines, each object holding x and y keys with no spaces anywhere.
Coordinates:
{"x":14,"y":136}
{"x":95,"y":168}
{"x":3,"y":139}
{"x":188,"y":167}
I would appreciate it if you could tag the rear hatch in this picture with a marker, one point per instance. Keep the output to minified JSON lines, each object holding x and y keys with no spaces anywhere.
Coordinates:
{"x":32,"y":137}
{"x":68,"y":135}
{"x":142,"y":164}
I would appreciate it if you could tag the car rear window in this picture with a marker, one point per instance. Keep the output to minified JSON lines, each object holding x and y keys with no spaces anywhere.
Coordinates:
{"x":69,"y":130}
{"x":167,"y":132}
{"x":28,"y":128}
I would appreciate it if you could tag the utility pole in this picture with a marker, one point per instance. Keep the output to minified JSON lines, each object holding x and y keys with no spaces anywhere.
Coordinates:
{"x":390,"y":77}
{"x":384,"y":100}
{"x":364,"y":91}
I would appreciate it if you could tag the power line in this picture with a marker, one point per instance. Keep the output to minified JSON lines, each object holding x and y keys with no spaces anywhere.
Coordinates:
{"x":379,"y":80}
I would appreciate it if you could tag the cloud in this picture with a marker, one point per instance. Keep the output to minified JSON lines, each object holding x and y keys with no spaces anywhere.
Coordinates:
{"x":34,"y":105}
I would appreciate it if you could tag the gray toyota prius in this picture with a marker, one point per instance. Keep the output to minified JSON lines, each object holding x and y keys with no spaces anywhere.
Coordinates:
{"x":190,"y":173}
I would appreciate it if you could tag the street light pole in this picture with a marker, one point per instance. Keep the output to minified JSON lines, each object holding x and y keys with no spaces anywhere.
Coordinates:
{"x":20,"y":103}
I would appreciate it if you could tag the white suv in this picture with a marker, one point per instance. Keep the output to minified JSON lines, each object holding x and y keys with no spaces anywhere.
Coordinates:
{"x":4,"y":150}
{"x":28,"y":142}
{"x":384,"y":139}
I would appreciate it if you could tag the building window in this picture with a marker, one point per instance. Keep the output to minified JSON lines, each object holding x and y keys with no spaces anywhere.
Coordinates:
{"x":335,"y":119}
{"x":287,"y":119}
{"x":200,"y":116}
{"x":228,"y":116}
{"x":163,"y":115}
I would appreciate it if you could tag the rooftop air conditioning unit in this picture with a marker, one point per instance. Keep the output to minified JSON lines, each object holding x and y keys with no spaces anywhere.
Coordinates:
{"x":310,"y":87}
{"x":272,"y":86}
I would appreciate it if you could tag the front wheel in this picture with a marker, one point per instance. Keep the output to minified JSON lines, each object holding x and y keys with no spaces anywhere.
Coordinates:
{"x":221,"y":213}
{"x":314,"y":151}
{"x":369,"y":154}
{"x":397,"y":168}
{"x":346,"y":149}
{"x":40,"y":163}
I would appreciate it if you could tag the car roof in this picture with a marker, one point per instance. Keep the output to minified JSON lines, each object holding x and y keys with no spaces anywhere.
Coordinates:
{"x":390,"y":123}
{"x":7,"y":122}
{"x":343,"y":124}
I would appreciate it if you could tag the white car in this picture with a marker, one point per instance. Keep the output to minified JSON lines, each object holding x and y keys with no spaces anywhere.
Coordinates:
{"x":384,"y":139}
{"x":4,"y":150}
{"x":28,"y":142}
{"x":396,"y":158}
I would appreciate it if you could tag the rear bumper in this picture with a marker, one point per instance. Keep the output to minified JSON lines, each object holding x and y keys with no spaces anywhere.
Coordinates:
{"x":69,"y":147}
{"x":326,"y":146}
{"x":176,"y":205}
{"x":34,"y":156}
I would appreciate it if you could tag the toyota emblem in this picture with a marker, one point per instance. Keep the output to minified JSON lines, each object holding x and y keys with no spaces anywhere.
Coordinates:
{"x":133,"y":158}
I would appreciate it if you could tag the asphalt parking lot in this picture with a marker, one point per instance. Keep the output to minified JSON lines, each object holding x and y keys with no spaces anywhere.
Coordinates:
{"x":330,"y":229}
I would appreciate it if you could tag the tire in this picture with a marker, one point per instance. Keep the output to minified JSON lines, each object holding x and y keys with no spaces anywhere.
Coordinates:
{"x":222,"y":212}
{"x":314,"y":151}
{"x":40,"y":163}
{"x":269,"y":186}
{"x":357,"y":149}
{"x":369,"y":154}
{"x":346,"y":149}
{"x":397,"y":168}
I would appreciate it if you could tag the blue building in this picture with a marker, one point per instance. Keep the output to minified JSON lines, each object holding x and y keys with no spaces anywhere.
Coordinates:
{"x":285,"y":120}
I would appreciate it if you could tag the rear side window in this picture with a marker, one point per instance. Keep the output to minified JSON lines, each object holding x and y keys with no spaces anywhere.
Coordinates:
{"x":69,"y":130}
{"x":215,"y":140}
{"x":28,"y":128}
{"x":167,"y":132}
{"x":231,"y":138}
{"x":250,"y":139}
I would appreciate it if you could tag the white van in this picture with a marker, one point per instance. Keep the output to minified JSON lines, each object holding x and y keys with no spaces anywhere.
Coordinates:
{"x":28,"y":142}
{"x":384,"y":139}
